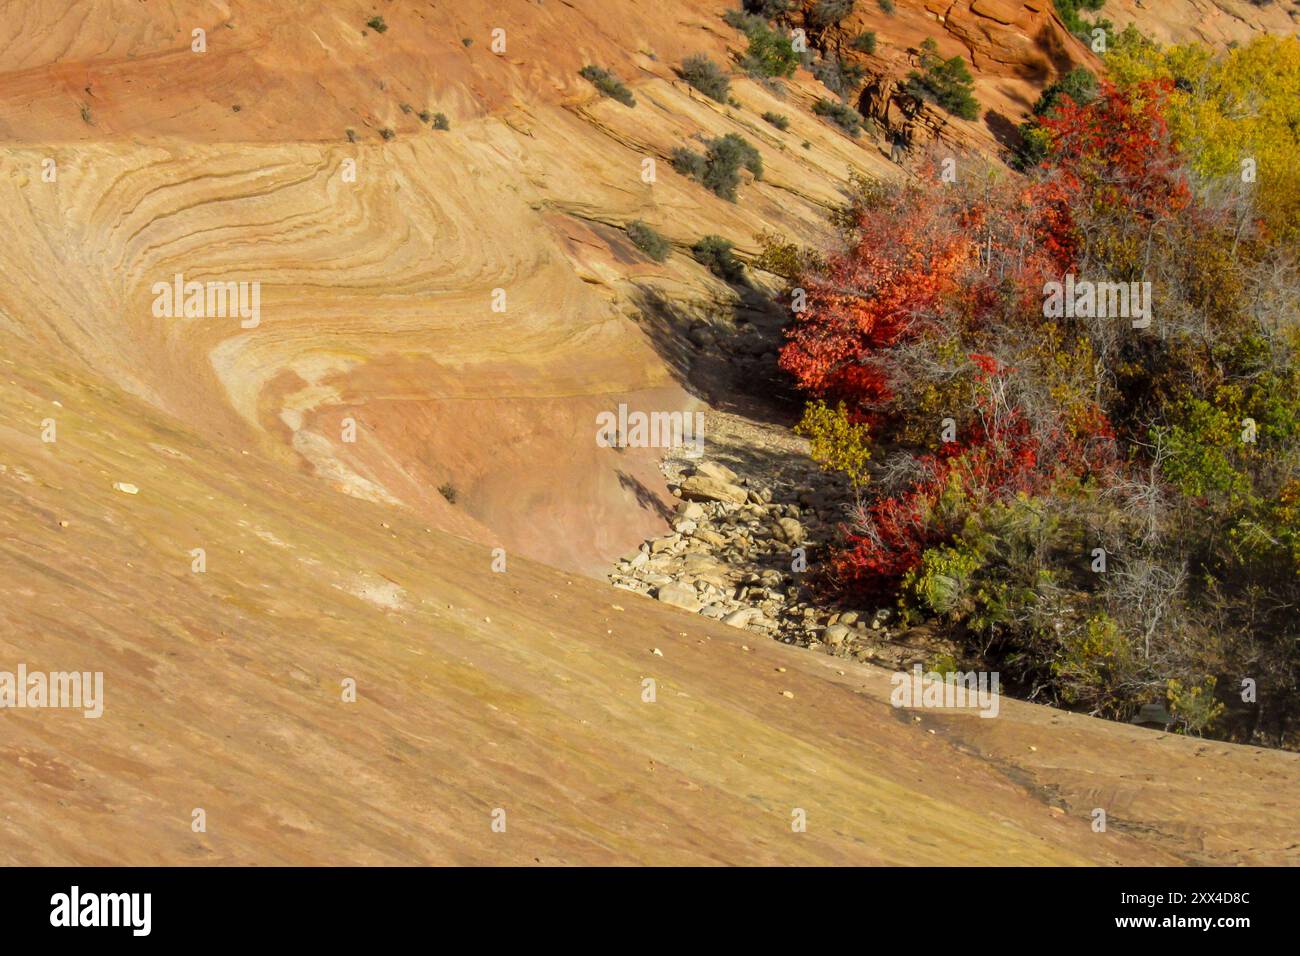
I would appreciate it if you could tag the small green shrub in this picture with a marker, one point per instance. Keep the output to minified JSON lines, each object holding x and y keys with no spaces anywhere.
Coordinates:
{"x":864,"y":42}
{"x":827,"y":13}
{"x":440,"y":121}
{"x":743,"y":20}
{"x":714,"y":253}
{"x":648,"y":240}
{"x":387,"y":134}
{"x":1079,"y":84}
{"x":1194,"y":708}
{"x":722,"y":172}
{"x":743,"y":149}
{"x":887,"y":6}
{"x":719,"y":169}
{"x":706,"y":76}
{"x":690,"y":163}
{"x":845,"y":117}
{"x":608,"y":84}
{"x":770,"y":54}
{"x":1069,"y":13}
{"x":947,"y":83}
{"x":779,"y":120}
{"x":791,"y":262}
{"x":448,"y":491}
{"x":377,"y":24}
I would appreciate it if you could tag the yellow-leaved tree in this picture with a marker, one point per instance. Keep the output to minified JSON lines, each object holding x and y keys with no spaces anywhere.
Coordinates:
{"x":1236,"y":114}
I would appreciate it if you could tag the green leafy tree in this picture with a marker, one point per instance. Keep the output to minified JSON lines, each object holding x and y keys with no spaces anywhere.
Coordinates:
{"x":947,"y":83}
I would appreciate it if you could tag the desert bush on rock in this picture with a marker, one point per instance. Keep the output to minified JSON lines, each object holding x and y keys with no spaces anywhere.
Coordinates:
{"x":864,"y":42}
{"x":648,"y":240}
{"x":1076,"y":24}
{"x":845,"y":117}
{"x":706,"y":76}
{"x":946,"y":83}
{"x":770,"y":52}
{"x":719,"y":168}
{"x":714,"y":253}
{"x":828,"y":13}
{"x":608,"y":84}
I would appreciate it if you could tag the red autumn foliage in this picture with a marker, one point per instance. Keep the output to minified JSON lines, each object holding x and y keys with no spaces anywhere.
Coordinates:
{"x":1003,"y":459}
{"x":973,"y":262}
{"x":907,"y":257}
{"x":1114,"y":157}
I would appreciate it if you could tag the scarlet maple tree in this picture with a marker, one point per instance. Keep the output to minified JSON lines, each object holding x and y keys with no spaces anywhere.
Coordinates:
{"x":1112,"y":159}
{"x":908,"y":253}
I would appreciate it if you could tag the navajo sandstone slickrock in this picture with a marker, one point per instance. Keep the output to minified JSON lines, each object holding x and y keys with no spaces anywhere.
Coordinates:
{"x":329,"y":561}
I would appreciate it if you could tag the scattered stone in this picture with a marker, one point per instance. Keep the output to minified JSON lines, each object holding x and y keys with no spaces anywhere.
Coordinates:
{"x":691,"y":510}
{"x":836,"y":634}
{"x":664,"y":544}
{"x":711,"y":469}
{"x":126,"y":488}
{"x":704,"y":488}
{"x":728,"y":556}
{"x":676,"y":594}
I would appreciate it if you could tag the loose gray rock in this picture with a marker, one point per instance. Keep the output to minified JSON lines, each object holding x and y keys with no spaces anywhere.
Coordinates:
{"x":835,"y":634}
{"x":676,"y":594}
{"x":691,"y":510}
{"x":706,"y":488}
{"x":788,"y":531}
{"x":711,"y":469}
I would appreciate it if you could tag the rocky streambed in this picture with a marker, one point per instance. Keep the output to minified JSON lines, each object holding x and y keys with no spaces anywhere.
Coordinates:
{"x":743,"y":549}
